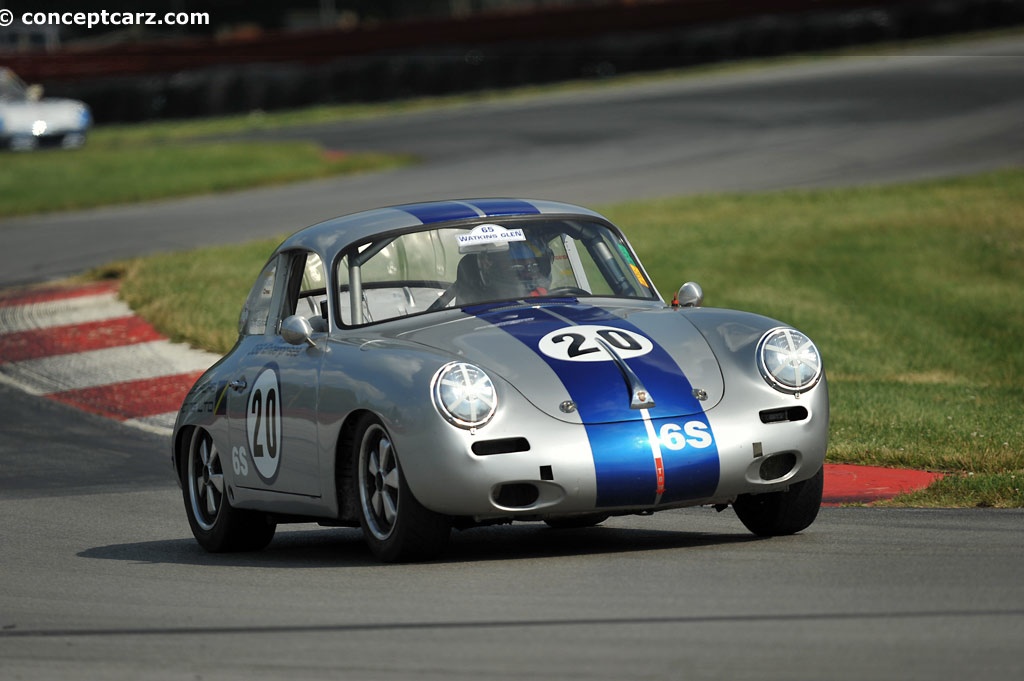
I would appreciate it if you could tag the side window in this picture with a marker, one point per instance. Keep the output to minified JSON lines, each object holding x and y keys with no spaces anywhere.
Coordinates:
{"x":256,"y":312}
{"x":312,"y":293}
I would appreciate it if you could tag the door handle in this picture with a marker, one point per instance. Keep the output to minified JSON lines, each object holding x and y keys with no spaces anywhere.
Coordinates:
{"x":238,"y":384}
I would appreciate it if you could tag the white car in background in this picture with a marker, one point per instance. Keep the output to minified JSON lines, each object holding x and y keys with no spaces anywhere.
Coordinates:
{"x":28,"y":121}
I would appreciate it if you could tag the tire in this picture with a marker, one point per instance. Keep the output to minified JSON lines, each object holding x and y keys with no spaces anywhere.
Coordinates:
{"x":396,"y":526}
{"x":217,"y":526}
{"x":576,"y":521}
{"x":781,"y":513}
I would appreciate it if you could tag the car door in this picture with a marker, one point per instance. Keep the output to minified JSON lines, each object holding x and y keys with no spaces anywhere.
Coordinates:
{"x":272,"y":396}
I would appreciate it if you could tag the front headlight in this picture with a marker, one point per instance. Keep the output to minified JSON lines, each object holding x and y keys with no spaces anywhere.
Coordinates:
{"x":788,"y":360}
{"x":464,"y":395}
{"x":84,"y":117}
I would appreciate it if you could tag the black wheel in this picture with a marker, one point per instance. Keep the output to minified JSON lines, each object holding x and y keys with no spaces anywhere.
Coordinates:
{"x":577,"y":521}
{"x":217,"y":526}
{"x":781,"y":513}
{"x":396,"y":526}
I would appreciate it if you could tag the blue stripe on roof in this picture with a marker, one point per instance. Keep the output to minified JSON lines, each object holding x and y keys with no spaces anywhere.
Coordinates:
{"x":440,"y":211}
{"x":496,"y":207}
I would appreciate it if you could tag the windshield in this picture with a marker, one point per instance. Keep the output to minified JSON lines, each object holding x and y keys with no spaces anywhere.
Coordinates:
{"x":503,"y":260}
{"x":11,"y":87}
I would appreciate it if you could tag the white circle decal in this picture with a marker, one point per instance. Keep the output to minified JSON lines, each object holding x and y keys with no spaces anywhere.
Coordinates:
{"x":587,"y":343}
{"x":263,"y":423}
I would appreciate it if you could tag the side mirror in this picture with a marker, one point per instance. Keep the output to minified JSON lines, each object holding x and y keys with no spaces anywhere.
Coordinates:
{"x":690,"y":295}
{"x":297,"y":330}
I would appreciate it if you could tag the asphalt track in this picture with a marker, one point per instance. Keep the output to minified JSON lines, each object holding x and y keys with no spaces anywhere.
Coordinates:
{"x":102,"y":580}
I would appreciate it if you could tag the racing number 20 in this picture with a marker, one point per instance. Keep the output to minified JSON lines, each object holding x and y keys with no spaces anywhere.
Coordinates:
{"x":593,"y":343}
{"x":268,"y":418}
{"x":614,"y":337}
{"x":263,"y":423}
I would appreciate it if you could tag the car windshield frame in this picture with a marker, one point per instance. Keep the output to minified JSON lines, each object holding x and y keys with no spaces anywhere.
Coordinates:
{"x":12,"y":89}
{"x":420,"y":270}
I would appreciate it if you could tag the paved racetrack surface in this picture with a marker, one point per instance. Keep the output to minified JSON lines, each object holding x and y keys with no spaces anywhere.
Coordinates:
{"x":102,"y":580}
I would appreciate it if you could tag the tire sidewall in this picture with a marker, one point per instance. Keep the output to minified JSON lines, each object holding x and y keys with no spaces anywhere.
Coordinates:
{"x":782,"y":513}
{"x":417,"y":533}
{"x":232,"y":529}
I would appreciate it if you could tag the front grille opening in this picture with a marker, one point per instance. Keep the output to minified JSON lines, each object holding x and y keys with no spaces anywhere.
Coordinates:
{"x":505,"y":445}
{"x":777,"y":466}
{"x":783,"y":415}
{"x":516,"y":495}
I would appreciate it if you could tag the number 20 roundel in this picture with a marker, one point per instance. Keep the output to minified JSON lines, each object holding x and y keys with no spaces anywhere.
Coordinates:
{"x":585,"y":343}
{"x":263,"y":423}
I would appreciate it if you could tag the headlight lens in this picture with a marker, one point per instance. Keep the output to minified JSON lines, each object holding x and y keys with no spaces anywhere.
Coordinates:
{"x":464,"y":395}
{"x":788,"y":360}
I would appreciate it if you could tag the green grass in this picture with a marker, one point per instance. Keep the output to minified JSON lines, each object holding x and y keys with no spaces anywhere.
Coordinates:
{"x":172,"y":290}
{"x":119,"y":168}
{"x":915,"y":295}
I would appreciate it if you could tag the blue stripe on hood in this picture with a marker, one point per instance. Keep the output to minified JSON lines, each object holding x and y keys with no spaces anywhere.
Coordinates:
{"x":624,"y":459}
{"x":598,"y":388}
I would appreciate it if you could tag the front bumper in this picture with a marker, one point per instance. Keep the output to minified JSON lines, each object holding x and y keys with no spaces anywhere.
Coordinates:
{"x":554,"y":468}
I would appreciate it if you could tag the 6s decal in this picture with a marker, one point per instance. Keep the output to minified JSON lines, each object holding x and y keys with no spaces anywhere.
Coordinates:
{"x":263,"y":423}
{"x":692,"y":433}
{"x":239,"y":461}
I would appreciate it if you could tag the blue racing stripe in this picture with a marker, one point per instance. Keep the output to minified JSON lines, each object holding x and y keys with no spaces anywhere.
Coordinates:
{"x":440,"y":211}
{"x":624,"y":455}
{"x":496,"y":207}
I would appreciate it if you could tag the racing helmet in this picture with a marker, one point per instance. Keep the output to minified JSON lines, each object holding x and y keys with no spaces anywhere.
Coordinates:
{"x":523,"y":270}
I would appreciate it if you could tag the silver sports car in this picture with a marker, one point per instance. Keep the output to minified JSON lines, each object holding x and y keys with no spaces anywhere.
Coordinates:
{"x":444,"y":365}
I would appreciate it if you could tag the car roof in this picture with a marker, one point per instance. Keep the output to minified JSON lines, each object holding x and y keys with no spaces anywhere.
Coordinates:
{"x":333,"y":235}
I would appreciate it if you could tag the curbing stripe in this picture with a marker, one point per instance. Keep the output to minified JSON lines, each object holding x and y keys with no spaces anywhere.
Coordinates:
{"x":161,"y":424}
{"x":84,"y":347}
{"x":854,"y":484}
{"x":132,"y":399}
{"x":62,"y":312}
{"x":106,"y":333}
{"x":76,"y":371}
{"x":44,"y":294}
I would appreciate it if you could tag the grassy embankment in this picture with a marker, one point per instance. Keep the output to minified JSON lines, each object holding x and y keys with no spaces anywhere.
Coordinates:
{"x":125,"y":164}
{"x":915,"y":295}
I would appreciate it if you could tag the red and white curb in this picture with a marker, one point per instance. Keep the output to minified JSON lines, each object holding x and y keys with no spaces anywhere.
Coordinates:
{"x":84,"y":347}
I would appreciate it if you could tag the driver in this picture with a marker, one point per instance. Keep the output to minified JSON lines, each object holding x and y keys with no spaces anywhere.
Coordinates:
{"x":522,"y":271}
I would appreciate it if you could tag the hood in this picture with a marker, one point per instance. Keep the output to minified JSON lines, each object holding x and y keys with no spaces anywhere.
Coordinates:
{"x":612,"y":363}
